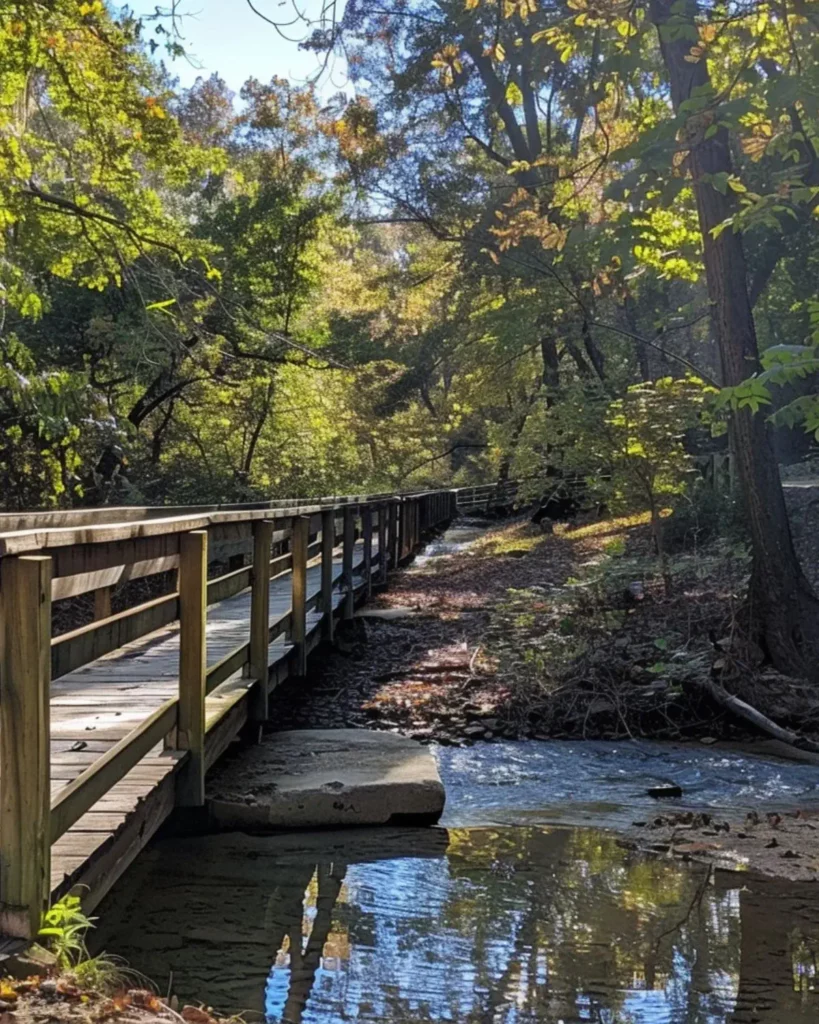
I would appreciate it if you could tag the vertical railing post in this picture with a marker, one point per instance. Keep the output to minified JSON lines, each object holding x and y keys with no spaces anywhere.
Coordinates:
{"x":413,"y":525}
{"x":382,"y":544}
{"x":102,"y":602}
{"x":25,"y":782}
{"x":395,"y":539}
{"x":193,"y":607}
{"x":367,"y":534}
{"x":347,"y":562}
{"x":328,"y":543}
{"x":403,"y":529}
{"x":298,"y":604}
{"x":260,"y":619}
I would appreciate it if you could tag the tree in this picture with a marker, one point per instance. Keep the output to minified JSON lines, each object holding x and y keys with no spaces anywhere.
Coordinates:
{"x":781,"y":596}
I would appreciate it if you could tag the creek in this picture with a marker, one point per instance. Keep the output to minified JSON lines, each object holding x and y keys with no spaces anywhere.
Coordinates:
{"x":523,"y":906}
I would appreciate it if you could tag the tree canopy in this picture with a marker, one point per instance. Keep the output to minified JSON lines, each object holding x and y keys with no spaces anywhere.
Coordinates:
{"x":525,"y":220}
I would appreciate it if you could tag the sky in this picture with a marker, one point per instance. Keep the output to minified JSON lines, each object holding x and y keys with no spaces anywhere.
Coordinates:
{"x":226,"y":36}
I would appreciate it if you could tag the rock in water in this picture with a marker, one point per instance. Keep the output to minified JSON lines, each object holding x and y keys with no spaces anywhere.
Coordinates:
{"x":661,"y":792}
{"x":308,"y":778}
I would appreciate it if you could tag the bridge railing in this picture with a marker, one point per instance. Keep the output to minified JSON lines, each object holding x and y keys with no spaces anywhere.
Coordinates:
{"x":52,"y":557}
{"x":484,"y":497}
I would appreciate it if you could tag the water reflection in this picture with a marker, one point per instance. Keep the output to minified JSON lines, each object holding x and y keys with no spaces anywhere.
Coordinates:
{"x":502,"y":925}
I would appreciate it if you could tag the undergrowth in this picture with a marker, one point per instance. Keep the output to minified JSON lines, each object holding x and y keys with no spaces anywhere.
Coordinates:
{"x":619,"y":649}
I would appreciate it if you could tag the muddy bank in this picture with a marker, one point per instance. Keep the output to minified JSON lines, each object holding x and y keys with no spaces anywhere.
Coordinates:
{"x":776,"y":843}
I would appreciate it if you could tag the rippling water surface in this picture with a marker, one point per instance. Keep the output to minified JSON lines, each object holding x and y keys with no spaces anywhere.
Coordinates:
{"x":599,"y":783}
{"x":508,"y":924}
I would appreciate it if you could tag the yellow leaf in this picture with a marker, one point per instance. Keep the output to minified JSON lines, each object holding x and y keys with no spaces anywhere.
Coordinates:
{"x":513,"y":95}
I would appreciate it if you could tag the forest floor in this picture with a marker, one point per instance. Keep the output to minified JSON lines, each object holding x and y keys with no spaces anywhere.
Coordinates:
{"x":58,"y":998}
{"x":577,"y":633}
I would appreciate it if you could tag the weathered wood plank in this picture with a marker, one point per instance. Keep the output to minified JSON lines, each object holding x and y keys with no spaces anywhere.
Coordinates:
{"x":78,"y":559}
{"x":260,"y":618}
{"x":80,"y":646}
{"x":328,"y":537}
{"x":84,"y":582}
{"x":367,"y":535}
{"x":92,"y":783}
{"x":301,"y":533}
{"x":25,"y":679}
{"x":347,"y":562}
{"x":193,"y":608}
{"x":382,"y":545}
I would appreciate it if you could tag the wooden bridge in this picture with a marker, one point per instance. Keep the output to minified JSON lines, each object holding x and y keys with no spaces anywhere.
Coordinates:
{"x":107,"y":725}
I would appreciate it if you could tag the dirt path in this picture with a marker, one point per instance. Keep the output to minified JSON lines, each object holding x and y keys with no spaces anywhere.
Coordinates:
{"x":426,"y":672}
{"x":421,"y":672}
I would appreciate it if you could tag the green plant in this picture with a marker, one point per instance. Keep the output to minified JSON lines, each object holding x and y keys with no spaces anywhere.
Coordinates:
{"x":64,"y":929}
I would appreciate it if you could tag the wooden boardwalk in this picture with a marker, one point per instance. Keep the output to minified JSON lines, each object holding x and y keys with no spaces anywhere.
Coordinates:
{"x":96,"y":706}
{"x":108,"y":728}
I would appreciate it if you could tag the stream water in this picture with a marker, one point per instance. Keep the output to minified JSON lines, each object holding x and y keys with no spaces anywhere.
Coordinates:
{"x":514,"y":911}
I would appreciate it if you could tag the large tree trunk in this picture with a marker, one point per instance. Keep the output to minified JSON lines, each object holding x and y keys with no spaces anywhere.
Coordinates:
{"x":783,"y":603}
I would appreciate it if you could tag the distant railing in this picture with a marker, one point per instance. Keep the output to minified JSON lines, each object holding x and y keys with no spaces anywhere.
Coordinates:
{"x":56,"y":556}
{"x":485,"y":497}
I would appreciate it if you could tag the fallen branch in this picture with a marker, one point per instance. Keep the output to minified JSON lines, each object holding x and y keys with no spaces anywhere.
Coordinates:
{"x":754,"y":717}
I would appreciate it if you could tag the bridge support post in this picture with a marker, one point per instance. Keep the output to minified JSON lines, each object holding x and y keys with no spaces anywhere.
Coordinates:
{"x":298,"y":613}
{"x":367,"y":534}
{"x":25,"y":784}
{"x":193,"y":606}
{"x":382,"y":544}
{"x":347,"y":562}
{"x":260,"y":619}
{"x":328,"y":543}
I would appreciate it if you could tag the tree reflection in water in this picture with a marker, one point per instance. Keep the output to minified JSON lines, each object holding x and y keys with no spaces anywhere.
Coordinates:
{"x":517,"y":925}
{"x":484,"y":925}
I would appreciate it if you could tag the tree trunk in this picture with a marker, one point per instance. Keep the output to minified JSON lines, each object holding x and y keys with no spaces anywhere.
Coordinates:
{"x":782,"y":602}
{"x":505,"y":467}
{"x":551,"y":368}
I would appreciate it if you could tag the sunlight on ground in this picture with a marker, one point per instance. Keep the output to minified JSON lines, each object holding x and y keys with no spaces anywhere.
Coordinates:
{"x":524,"y":535}
{"x":604,"y":526}
{"x":518,"y":536}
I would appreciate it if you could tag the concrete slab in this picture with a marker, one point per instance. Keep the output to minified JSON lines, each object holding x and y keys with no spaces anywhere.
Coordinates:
{"x":309,"y":778}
